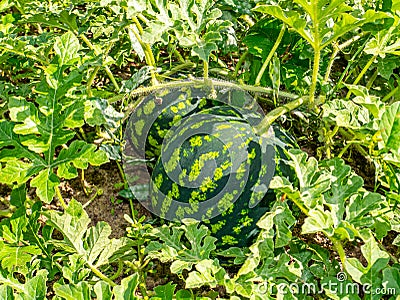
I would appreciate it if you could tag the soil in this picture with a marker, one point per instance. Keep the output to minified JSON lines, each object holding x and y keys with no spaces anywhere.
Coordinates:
{"x":4,"y":196}
{"x":108,"y":206}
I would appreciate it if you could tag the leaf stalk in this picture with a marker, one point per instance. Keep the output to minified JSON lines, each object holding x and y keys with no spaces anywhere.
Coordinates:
{"x":270,"y":55}
{"x":60,"y":197}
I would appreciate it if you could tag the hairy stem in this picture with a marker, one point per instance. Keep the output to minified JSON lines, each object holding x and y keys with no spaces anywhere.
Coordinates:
{"x":329,"y":140}
{"x":317,"y":57}
{"x":215,"y":83}
{"x":205,"y":70}
{"x":83,"y":134}
{"x":372,"y":79}
{"x":94,"y":73}
{"x":218,"y":61}
{"x":270,"y":55}
{"x":317,"y":46}
{"x":222,"y":72}
{"x":83,"y":183}
{"x":179,"y":56}
{"x":240,"y":62}
{"x":97,"y":193}
{"x":382,"y":44}
{"x":300,"y":205}
{"x":122,"y":173}
{"x":336,"y":243}
{"x":348,"y":144}
{"x":360,"y":149}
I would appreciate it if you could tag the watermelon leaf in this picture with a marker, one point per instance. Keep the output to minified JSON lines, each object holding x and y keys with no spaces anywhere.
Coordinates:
{"x":208,"y":273}
{"x":40,"y":129}
{"x":172,"y":248}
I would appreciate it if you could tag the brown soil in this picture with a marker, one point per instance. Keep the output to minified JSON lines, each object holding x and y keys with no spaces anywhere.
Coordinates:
{"x":4,"y":196}
{"x":101,"y":208}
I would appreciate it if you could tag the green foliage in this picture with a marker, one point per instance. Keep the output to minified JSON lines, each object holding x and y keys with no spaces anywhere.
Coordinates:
{"x":92,"y":244}
{"x":320,"y":12}
{"x":67,"y":71}
{"x":173,"y":249}
{"x":46,"y":125}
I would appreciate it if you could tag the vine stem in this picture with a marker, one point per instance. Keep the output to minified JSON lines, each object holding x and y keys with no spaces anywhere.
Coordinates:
{"x":218,"y":61}
{"x":329,"y":140}
{"x":316,"y":44}
{"x":179,"y":56}
{"x":382,"y":45}
{"x":83,"y":183}
{"x":205,"y":70}
{"x":360,"y":149}
{"x":119,"y":270}
{"x":372,"y":79}
{"x":299,"y":205}
{"x":146,"y":54}
{"x":350,"y":63}
{"x":362,"y":73}
{"x":215,"y":83}
{"x":94,"y":73}
{"x":6,"y":213}
{"x":122,"y":173}
{"x":339,"y":249}
{"x":146,"y":49}
{"x":392,"y":92}
{"x":100,"y":275}
{"x":277,"y":112}
{"x":60,"y":198}
{"x":240,"y":62}
{"x":264,"y":124}
{"x":270,"y":55}
{"x":97,"y":193}
{"x":336,"y":243}
{"x":138,"y":268}
{"x":142,"y":264}
{"x":348,"y":144}
{"x":186,"y":65}
{"x":108,"y":71}
{"x":317,"y":57}
{"x":337,"y":49}
{"x":219,"y":71}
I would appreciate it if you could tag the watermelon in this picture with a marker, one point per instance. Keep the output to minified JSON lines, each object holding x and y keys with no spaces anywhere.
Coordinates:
{"x":207,"y":162}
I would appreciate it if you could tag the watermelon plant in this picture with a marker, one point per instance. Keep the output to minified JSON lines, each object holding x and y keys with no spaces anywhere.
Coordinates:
{"x":255,"y":144}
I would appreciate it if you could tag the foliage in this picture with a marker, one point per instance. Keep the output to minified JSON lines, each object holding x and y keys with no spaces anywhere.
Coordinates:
{"x":70,"y":72}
